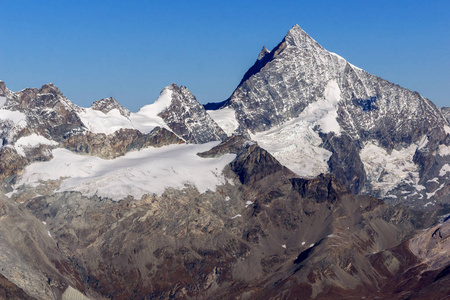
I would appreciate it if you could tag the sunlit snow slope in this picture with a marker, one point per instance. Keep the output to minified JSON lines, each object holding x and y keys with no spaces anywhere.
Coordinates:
{"x":149,"y":171}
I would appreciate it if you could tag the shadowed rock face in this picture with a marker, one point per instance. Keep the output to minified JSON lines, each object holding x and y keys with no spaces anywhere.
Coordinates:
{"x":262,"y":235}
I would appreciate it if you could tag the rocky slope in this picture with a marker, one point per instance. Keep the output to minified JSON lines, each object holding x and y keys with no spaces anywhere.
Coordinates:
{"x":381,"y":139}
{"x":270,"y":195}
{"x":264,"y":233}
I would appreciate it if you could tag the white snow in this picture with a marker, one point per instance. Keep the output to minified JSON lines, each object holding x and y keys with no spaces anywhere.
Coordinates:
{"x":237,"y":216}
{"x":98,"y":122}
{"x":16,"y":117}
{"x":149,"y":171}
{"x":447,"y":129}
{"x":312,"y":245}
{"x":248,"y":203}
{"x":303,"y":243}
{"x":444,"y":150}
{"x":145,"y":120}
{"x":2,"y":101}
{"x":48,"y":232}
{"x":284,"y":246}
{"x":296,"y":145}
{"x":31,"y":141}
{"x":387,"y":170}
{"x":43,"y":222}
{"x":435,"y":179}
{"x":419,"y":188}
{"x":227,"y":198}
{"x":444,"y":170}
{"x":225,"y":118}
{"x":423,"y":142}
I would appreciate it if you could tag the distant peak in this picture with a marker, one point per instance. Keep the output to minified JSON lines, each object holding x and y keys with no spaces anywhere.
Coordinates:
{"x":298,"y":37}
{"x":49,"y":88}
{"x":107,"y":104}
{"x":263,"y":53}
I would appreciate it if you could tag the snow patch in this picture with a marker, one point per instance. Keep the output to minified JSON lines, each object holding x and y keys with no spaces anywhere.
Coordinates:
{"x":297,"y":146}
{"x":48,"y":232}
{"x":444,"y":170}
{"x":386,"y":171}
{"x":419,"y":188}
{"x":32,"y":141}
{"x":324,"y":112}
{"x":248,"y":203}
{"x":225,"y":118}
{"x":283,"y":246}
{"x":237,"y":216}
{"x":149,"y":171}
{"x":16,"y":117}
{"x":435,"y":179}
{"x":2,"y":101}
{"x":227,"y":198}
{"x":303,"y":243}
{"x":429,"y":195}
{"x":98,"y":122}
{"x":444,"y":150}
{"x":423,"y":142}
{"x":447,"y":129}
{"x":145,"y":120}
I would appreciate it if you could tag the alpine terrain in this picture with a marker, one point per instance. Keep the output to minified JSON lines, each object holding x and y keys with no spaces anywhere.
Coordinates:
{"x":313,"y":180}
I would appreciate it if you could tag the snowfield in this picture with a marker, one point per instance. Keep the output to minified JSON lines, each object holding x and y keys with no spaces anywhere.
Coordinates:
{"x":149,"y":171}
{"x":145,"y":120}
{"x":386,"y":170}
{"x":225,"y":118}
{"x":32,"y":141}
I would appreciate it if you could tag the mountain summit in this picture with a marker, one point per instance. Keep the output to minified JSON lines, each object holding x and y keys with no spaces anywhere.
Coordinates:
{"x":315,"y":179}
{"x":345,"y":114}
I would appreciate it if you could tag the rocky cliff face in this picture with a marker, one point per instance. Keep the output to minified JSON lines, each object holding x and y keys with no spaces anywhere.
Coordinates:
{"x":264,"y":233}
{"x":446,"y":112}
{"x":102,"y":202}
{"x":187,"y":118}
{"x":301,"y":86}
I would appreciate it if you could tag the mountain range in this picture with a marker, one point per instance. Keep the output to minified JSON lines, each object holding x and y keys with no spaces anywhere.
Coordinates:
{"x":314,"y":179}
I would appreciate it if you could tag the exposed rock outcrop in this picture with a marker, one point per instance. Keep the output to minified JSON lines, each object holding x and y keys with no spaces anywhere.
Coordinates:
{"x":188,"y":118}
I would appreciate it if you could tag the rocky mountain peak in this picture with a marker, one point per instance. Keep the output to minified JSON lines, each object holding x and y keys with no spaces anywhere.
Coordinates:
{"x":186,"y":117}
{"x":107,"y":104}
{"x":263,"y":53}
{"x":49,"y":88}
{"x":3,"y":90}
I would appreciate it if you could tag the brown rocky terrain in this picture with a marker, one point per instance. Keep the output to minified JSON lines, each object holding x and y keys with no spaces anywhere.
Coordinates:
{"x":265,"y":234}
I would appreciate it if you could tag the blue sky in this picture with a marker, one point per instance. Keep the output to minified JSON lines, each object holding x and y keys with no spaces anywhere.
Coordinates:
{"x":131,"y":50}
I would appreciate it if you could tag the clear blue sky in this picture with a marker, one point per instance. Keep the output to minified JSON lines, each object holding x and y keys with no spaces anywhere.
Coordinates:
{"x":131,"y":50}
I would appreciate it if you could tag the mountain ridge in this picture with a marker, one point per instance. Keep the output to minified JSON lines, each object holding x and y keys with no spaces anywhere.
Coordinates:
{"x":315,"y":179}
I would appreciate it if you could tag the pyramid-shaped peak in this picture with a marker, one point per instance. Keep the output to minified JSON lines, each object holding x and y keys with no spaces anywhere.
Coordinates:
{"x":296,"y":36}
